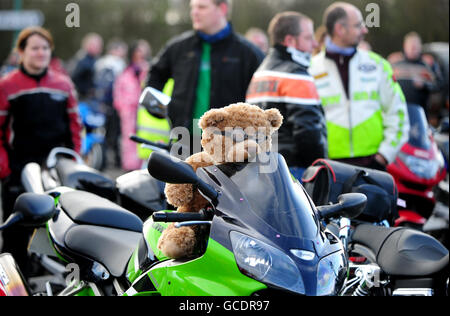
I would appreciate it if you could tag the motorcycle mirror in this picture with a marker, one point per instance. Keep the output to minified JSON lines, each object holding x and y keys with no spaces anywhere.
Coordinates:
{"x":172,"y":170}
{"x":31,"y":210}
{"x":155,"y":102}
{"x":349,"y":205}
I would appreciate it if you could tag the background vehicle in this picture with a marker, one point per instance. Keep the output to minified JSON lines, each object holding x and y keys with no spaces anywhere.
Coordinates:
{"x":92,"y":147}
{"x":417,"y":170}
{"x":136,"y":191}
{"x":384,"y":261}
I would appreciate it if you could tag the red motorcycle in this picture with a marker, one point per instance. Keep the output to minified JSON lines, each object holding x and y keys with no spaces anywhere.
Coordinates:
{"x":418,"y":168}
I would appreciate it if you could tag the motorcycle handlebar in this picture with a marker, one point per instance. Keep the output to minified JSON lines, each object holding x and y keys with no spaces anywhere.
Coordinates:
{"x":180,"y":217}
{"x":140,"y":140}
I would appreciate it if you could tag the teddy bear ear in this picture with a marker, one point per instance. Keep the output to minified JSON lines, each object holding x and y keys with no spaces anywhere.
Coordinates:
{"x":274,"y":117}
{"x":212,"y":118}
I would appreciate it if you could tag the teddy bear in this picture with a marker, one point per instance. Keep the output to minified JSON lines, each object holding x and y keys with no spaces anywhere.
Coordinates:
{"x":236,"y":133}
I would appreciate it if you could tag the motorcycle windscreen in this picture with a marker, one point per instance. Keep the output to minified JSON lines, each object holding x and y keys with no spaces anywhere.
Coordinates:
{"x":418,"y":133}
{"x":273,"y":197}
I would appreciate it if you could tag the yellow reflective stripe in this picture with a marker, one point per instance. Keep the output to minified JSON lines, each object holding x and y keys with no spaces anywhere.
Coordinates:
{"x":377,"y":58}
{"x":335,"y":99}
{"x":361,"y":96}
{"x":374,"y":95}
{"x":364,"y":96}
{"x":401,"y":124}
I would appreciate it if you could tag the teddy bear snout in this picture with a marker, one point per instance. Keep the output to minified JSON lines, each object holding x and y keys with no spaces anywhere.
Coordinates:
{"x":243,"y":151}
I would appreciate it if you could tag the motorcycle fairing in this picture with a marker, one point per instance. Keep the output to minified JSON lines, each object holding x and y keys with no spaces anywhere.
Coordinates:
{"x":281,"y":214}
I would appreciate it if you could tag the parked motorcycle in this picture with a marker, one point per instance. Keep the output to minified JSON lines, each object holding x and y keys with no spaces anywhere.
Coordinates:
{"x":136,"y":191}
{"x":396,"y":262}
{"x":417,"y":170}
{"x":92,"y":147}
{"x":438,"y":223}
{"x":384,"y":261}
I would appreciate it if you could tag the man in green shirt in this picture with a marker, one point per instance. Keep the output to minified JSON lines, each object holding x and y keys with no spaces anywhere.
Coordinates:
{"x":211,"y":65}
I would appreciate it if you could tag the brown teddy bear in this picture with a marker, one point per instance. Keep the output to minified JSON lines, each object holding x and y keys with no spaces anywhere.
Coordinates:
{"x":236,"y":133}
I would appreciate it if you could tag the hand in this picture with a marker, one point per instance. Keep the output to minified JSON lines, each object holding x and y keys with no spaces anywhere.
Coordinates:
{"x":381,"y":160}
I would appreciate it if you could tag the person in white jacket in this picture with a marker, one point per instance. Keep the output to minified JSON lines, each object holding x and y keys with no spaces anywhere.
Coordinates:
{"x":365,"y":109}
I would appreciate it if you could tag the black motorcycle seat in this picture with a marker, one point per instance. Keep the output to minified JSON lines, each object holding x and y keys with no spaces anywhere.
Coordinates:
{"x":87,"y":208}
{"x":403,"y":252}
{"x":74,"y":175}
{"x":109,"y":246}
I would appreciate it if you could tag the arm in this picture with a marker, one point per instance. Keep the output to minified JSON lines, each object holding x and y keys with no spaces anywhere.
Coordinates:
{"x":309,"y":129}
{"x":4,"y":112}
{"x":434,"y":81}
{"x":305,"y":114}
{"x":395,"y":115}
{"x":161,"y":70}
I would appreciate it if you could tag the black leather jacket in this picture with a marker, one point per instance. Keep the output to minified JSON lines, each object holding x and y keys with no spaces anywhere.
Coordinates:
{"x":283,"y":82}
{"x":233,"y":62}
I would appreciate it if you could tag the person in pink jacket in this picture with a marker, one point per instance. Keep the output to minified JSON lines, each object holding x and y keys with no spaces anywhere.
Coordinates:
{"x":127,"y":90}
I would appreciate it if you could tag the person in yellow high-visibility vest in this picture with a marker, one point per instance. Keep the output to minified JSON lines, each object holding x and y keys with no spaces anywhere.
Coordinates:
{"x":152,"y":128}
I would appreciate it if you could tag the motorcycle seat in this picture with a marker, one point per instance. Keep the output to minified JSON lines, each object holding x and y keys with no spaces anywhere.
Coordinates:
{"x":109,"y":246}
{"x":403,"y":252}
{"x":85,"y":208}
{"x":77,"y":176}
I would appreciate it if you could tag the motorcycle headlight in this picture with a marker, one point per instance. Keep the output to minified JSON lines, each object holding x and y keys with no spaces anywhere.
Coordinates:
{"x":424,"y":168}
{"x":331,"y":274}
{"x":265,"y":263}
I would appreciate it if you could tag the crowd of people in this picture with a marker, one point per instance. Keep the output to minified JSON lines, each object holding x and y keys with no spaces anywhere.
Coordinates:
{"x":338,"y":98}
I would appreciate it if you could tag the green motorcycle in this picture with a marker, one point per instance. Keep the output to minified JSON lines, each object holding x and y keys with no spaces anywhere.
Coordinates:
{"x":262,"y":236}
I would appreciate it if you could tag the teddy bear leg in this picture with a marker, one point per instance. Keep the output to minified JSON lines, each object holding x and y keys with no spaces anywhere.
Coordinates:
{"x":177,"y":243}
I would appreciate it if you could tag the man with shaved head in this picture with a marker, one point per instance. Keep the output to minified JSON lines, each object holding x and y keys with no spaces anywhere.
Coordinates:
{"x":365,"y":109}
